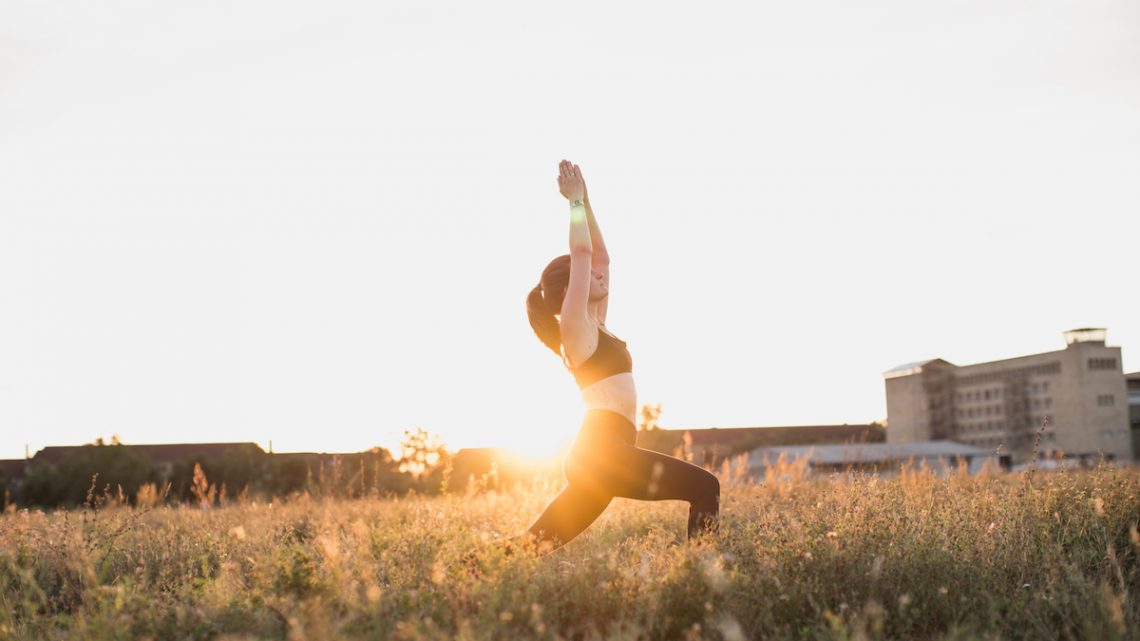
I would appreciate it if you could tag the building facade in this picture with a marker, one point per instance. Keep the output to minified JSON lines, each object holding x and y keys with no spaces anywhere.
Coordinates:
{"x":1076,"y":398}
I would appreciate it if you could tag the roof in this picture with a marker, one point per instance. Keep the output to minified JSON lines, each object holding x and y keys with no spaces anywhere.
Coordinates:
{"x":782,"y":435}
{"x":13,"y":468}
{"x":913,"y":368}
{"x":159,"y":453}
{"x":839,"y":454}
{"x":329,"y":457}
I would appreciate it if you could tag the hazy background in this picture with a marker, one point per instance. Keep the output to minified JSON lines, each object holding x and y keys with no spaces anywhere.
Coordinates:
{"x":317,"y":222}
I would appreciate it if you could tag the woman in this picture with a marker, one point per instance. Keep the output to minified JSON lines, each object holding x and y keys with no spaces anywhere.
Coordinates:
{"x":568,"y":313}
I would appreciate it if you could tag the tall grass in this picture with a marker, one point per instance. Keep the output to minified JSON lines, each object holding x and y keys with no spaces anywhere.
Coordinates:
{"x":914,"y":557}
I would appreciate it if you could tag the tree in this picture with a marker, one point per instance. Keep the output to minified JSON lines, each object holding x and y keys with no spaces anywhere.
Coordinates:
{"x":651,"y":436}
{"x":649,"y":416}
{"x":420,"y":452}
{"x":425,"y":457}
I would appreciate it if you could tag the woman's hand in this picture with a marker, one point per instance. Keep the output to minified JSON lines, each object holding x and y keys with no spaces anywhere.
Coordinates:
{"x":585,"y":190}
{"x":570,"y":181}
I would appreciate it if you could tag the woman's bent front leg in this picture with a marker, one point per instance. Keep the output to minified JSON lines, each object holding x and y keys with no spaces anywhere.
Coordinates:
{"x":567,"y":515}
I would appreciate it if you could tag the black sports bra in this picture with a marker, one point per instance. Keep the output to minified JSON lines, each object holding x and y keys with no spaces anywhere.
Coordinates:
{"x":611,"y":357}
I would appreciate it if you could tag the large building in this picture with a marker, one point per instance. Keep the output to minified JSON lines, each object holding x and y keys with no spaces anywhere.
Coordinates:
{"x":1078,"y":394}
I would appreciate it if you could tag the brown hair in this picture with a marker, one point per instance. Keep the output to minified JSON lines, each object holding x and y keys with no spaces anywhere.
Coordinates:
{"x":544,"y":302}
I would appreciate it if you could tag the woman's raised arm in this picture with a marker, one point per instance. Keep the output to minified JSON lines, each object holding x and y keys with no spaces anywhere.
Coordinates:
{"x":600,"y":256}
{"x":572,"y":186}
{"x":575,"y":328}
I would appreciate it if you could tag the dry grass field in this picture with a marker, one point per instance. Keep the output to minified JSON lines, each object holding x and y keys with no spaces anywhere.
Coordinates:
{"x":994,"y":556}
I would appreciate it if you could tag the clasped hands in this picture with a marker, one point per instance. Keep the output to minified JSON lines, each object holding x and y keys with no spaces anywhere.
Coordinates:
{"x":570,"y":181}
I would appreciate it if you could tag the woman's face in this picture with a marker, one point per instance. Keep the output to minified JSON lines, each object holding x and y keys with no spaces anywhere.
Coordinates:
{"x":598,"y":287}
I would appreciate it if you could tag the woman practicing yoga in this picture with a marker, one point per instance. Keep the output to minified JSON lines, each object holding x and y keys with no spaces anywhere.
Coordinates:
{"x":567,"y":310}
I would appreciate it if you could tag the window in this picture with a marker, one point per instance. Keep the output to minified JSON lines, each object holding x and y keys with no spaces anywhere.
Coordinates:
{"x":1105,"y":400}
{"x":1036,"y":388}
{"x":1048,"y":403}
{"x":1045,"y":387}
{"x":1102,"y":363}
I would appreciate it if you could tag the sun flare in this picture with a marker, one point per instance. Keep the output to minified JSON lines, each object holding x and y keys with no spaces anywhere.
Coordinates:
{"x":537,"y":447}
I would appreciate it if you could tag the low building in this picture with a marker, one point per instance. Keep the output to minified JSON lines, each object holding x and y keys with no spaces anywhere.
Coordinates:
{"x":1133,"y":382}
{"x":880,"y":458}
{"x":163,"y":455}
{"x":709,"y":446}
{"x":495,"y":468}
{"x":12,"y":473}
{"x":1073,"y":400}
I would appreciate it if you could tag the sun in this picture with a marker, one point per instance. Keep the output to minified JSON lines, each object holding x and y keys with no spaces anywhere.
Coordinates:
{"x":537,"y":443}
{"x":536,"y":449}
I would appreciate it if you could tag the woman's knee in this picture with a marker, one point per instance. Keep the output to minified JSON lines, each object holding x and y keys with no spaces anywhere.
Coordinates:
{"x":581,"y":470}
{"x":574,"y":468}
{"x":710,"y":486}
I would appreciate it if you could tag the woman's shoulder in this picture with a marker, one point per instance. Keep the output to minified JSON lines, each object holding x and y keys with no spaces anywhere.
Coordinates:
{"x":580,"y":342}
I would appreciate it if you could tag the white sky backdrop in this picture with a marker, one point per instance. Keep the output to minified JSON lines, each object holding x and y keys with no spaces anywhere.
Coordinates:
{"x":317,"y":222}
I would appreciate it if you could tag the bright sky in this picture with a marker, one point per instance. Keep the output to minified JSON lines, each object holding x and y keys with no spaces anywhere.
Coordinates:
{"x":316,"y":223}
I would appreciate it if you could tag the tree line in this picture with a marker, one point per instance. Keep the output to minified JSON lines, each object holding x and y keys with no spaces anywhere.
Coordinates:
{"x":245,"y":471}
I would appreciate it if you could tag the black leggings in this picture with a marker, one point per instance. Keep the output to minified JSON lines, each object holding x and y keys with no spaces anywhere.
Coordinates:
{"x":604,"y":463}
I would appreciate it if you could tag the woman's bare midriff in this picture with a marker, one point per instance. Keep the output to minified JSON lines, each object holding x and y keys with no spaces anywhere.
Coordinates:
{"x":615,"y":393}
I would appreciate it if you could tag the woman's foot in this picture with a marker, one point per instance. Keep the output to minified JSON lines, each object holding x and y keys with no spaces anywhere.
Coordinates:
{"x":526,"y":543}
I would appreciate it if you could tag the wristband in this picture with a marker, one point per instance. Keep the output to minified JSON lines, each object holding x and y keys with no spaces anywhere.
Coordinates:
{"x":577,"y":212}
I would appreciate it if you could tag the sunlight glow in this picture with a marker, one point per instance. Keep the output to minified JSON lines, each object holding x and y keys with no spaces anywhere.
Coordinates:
{"x":215,"y":233}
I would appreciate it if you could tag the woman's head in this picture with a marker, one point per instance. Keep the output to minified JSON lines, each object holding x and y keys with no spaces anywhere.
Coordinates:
{"x":544,"y":302}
